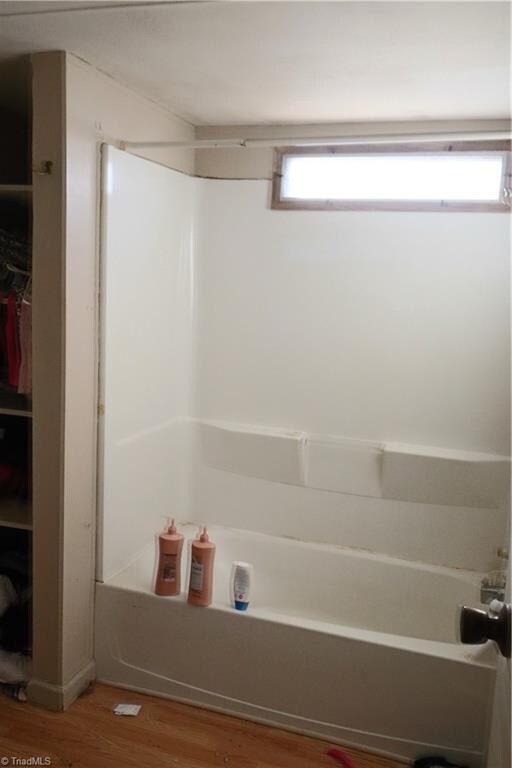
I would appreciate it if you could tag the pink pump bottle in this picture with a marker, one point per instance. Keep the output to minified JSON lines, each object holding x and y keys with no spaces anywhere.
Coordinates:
{"x":200,"y":589}
{"x":168,"y":577}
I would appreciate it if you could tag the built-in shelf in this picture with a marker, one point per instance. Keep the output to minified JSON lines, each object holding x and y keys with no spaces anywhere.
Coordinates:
{"x":12,"y":404}
{"x":15,"y":513}
{"x":18,"y":192}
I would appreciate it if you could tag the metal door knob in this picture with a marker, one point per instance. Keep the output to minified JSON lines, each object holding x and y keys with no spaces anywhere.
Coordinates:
{"x":478,"y":626}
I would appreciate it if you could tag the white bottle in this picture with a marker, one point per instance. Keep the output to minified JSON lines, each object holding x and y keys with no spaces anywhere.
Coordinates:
{"x":241,"y":577}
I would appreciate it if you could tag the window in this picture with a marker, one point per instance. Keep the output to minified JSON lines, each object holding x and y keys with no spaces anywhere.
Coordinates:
{"x":461,"y":177}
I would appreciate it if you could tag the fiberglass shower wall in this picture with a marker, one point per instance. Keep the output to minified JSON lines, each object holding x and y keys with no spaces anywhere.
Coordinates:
{"x":147,"y":304}
{"x":373,"y":349}
{"x":279,"y":371}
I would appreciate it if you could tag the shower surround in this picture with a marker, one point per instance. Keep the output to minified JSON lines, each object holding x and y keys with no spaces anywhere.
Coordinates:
{"x":331,"y":392}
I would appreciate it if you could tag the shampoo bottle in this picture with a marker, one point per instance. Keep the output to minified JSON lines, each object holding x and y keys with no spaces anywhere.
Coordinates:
{"x":201,"y":569}
{"x":168,"y":577}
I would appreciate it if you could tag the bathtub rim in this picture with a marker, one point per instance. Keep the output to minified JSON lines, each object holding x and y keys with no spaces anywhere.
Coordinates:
{"x":481,"y":656}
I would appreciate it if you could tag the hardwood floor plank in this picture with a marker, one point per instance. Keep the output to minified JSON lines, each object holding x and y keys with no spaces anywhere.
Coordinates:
{"x":164,"y":735}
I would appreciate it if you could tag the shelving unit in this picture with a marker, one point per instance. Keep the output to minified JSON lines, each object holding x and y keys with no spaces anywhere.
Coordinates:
{"x":16,"y":409}
{"x":16,"y":422}
{"x":12,"y":404}
{"x":15,"y":513}
{"x":16,"y":192}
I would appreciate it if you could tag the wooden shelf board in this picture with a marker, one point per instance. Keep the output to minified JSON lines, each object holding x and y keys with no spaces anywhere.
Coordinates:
{"x":15,"y":191}
{"x":15,"y":514}
{"x":15,"y":412}
{"x":12,"y":404}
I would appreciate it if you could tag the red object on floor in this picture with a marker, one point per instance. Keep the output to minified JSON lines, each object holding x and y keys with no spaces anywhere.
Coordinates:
{"x":341,"y":757}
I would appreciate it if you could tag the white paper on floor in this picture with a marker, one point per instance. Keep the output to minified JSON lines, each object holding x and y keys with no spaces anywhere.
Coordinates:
{"x":131,"y":710}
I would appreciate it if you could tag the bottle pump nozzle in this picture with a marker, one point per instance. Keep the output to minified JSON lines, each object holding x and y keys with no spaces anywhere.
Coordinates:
{"x":203,"y":534}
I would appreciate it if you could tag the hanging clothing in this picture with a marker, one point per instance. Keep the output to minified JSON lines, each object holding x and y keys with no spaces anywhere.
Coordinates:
{"x":25,"y":337}
{"x":3,"y":340}
{"x":14,"y":667}
{"x":12,"y":342}
{"x":16,"y":607}
{"x":8,"y":596}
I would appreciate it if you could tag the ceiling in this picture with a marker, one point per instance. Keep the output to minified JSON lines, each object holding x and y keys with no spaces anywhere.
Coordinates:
{"x":285,"y":62}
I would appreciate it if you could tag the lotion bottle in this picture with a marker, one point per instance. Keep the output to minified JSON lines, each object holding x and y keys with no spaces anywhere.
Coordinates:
{"x":241,"y":578}
{"x":201,"y":569}
{"x":168,"y":577}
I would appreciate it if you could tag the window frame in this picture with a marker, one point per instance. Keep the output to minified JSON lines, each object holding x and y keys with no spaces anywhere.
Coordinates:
{"x":470,"y":147}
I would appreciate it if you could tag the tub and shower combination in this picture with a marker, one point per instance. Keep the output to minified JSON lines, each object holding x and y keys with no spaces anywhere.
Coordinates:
{"x":361,"y":552}
{"x":350,"y":646}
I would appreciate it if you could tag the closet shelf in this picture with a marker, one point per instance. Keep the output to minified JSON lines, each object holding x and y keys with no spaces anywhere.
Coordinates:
{"x":12,"y":404}
{"x":15,"y":513}
{"x":19,"y":192}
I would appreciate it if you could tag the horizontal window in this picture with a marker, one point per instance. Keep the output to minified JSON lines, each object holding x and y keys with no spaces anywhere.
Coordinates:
{"x":476,"y":178}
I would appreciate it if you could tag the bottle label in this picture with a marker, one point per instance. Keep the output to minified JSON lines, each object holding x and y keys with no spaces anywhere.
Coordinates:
{"x":196,"y":576}
{"x":169,"y":568}
{"x":241,"y":584}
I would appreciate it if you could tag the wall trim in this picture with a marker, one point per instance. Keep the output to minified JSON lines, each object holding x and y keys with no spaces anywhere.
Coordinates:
{"x":60,"y":697}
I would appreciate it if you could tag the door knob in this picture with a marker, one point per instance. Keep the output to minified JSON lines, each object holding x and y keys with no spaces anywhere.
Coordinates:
{"x":478,"y":626}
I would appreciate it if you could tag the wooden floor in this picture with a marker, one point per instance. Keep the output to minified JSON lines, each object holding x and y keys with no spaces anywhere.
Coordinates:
{"x":164,"y":734}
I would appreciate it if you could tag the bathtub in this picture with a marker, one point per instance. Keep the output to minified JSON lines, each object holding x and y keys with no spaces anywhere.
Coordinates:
{"x":343,"y":644}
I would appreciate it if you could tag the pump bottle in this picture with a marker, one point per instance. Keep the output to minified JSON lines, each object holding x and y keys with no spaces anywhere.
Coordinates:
{"x":201,"y":569}
{"x":168,"y":577}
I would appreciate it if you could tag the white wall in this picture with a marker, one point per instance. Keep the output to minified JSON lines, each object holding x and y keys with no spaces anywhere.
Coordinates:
{"x":453,"y":536}
{"x":379,"y":326}
{"x":387,"y":328}
{"x":147,"y":350}
{"x":76,"y":108}
{"x":52,"y":626}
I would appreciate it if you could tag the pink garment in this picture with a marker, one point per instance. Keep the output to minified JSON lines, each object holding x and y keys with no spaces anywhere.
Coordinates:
{"x":25,"y":330}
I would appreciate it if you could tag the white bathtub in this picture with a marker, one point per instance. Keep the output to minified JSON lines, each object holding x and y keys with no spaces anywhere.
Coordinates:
{"x":347,"y":645}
